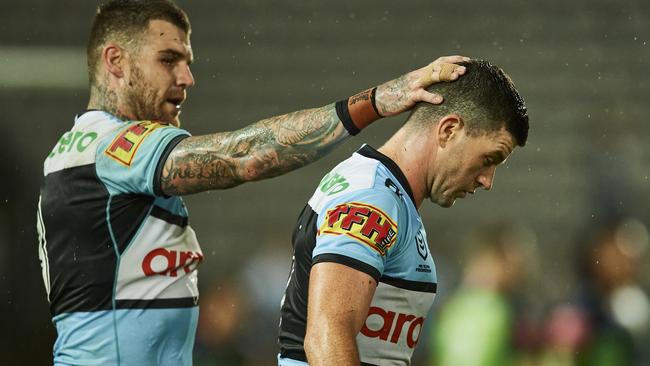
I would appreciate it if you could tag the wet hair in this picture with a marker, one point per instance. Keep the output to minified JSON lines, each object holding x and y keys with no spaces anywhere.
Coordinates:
{"x":485,"y":97}
{"x":125,"y":21}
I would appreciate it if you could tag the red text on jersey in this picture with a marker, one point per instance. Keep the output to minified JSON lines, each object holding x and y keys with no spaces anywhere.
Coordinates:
{"x":172,"y":261}
{"x":393,"y":325}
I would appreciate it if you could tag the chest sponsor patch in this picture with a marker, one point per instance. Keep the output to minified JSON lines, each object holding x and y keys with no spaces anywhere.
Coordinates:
{"x":125,"y":145}
{"x":363,"y":222}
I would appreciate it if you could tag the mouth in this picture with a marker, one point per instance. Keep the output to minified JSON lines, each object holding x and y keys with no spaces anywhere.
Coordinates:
{"x":176,"y":102}
{"x":465,"y":193}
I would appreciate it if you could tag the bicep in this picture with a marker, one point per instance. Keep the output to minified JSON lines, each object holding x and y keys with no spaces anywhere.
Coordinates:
{"x":200,"y":163}
{"x":339,"y":296}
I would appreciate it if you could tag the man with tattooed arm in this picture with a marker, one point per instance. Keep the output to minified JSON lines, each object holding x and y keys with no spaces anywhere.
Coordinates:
{"x":119,"y":259}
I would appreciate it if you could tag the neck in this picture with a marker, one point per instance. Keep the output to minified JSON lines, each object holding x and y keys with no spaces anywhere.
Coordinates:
{"x":411,"y":152}
{"x":102,"y":98}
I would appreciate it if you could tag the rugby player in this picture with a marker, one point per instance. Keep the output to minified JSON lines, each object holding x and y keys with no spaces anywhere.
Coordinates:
{"x":119,"y":259}
{"x":363,"y":279}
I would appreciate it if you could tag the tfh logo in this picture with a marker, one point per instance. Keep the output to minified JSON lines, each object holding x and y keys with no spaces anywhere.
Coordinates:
{"x":172,"y":261}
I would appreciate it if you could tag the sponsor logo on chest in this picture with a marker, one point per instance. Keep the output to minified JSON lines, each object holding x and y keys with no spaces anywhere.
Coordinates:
{"x":167,"y":262}
{"x":73,"y":141}
{"x":391,"y":326}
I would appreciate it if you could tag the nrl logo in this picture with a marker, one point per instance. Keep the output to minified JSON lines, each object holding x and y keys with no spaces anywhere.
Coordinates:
{"x":421,"y":245}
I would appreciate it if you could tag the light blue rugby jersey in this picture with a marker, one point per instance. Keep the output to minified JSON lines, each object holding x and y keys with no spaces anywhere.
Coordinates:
{"x":119,"y":259}
{"x":363,"y":215}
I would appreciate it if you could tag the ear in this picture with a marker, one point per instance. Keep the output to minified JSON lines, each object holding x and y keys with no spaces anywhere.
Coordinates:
{"x":113,"y":58}
{"x":448,"y":128}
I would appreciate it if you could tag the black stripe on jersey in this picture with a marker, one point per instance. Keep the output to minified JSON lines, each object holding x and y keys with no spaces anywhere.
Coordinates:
{"x":294,"y":306}
{"x":410,"y":285}
{"x":160,"y":213}
{"x":370,"y":152}
{"x":350,"y":262}
{"x":161,"y":164}
{"x":127,"y":213}
{"x":294,"y":355}
{"x":183,"y":302}
{"x":80,"y":253}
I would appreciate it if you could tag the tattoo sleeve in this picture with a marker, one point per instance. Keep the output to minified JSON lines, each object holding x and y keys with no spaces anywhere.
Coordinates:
{"x":265,"y":149}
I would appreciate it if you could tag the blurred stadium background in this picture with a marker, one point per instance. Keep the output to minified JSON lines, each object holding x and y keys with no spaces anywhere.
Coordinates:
{"x":581,"y":65}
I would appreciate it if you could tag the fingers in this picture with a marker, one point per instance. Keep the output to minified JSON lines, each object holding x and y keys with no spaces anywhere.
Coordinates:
{"x":449,"y":72}
{"x":426,"y":78}
{"x":401,"y":94}
{"x":452,"y":59}
{"x":432,"y":98}
{"x":436,"y":72}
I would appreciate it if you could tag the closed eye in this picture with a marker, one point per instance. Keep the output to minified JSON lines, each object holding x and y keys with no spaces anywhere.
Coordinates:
{"x":487,"y":161}
{"x":168,"y":60}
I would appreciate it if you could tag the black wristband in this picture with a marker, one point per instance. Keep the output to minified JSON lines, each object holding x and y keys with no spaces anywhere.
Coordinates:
{"x":344,"y":115}
{"x":372,"y":100}
{"x":358,"y":111}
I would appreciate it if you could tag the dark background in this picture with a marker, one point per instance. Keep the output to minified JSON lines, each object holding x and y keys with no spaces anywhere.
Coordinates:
{"x":581,"y":65}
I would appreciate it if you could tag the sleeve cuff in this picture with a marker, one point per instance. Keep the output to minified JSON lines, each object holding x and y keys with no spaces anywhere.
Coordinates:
{"x":350,"y":262}
{"x":161,"y":164}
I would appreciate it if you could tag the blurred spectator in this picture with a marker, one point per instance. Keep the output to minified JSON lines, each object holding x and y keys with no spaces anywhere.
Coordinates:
{"x":238,"y":321}
{"x":221,"y":314}
{"x":477,"y":326}
{"x":607,"y":321}
{"x":264,"y":278}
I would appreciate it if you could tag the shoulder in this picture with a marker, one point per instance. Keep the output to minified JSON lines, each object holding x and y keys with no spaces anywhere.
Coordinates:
{"x":124,"y":142}
{"x":355,"y":178}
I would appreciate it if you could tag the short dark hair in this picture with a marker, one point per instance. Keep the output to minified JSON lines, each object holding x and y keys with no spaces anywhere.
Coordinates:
{"x":485,"y":97}
{"x":126,"y":20}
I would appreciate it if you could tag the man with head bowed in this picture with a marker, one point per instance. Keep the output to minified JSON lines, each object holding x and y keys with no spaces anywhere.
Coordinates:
{"x":363,"y":279}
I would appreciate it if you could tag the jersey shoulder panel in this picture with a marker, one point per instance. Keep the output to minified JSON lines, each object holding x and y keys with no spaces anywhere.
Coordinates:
{"x":358,"y":218}
{"x":78,"y":146}
{"x":353,"y":174}
{"x":128,"y":159}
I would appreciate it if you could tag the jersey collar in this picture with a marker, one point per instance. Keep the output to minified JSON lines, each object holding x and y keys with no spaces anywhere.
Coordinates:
{"x":370,"y":152}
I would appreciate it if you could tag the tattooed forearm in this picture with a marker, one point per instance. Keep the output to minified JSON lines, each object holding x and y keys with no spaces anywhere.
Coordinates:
{"x":262,"y":150}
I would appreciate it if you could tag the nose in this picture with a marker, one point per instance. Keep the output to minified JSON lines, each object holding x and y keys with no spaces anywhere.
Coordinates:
{"x":486,"y":178}
{"x":185,"y":77}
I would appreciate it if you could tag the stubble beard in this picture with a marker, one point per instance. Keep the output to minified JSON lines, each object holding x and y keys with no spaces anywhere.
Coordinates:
{"x":141,"y":98}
